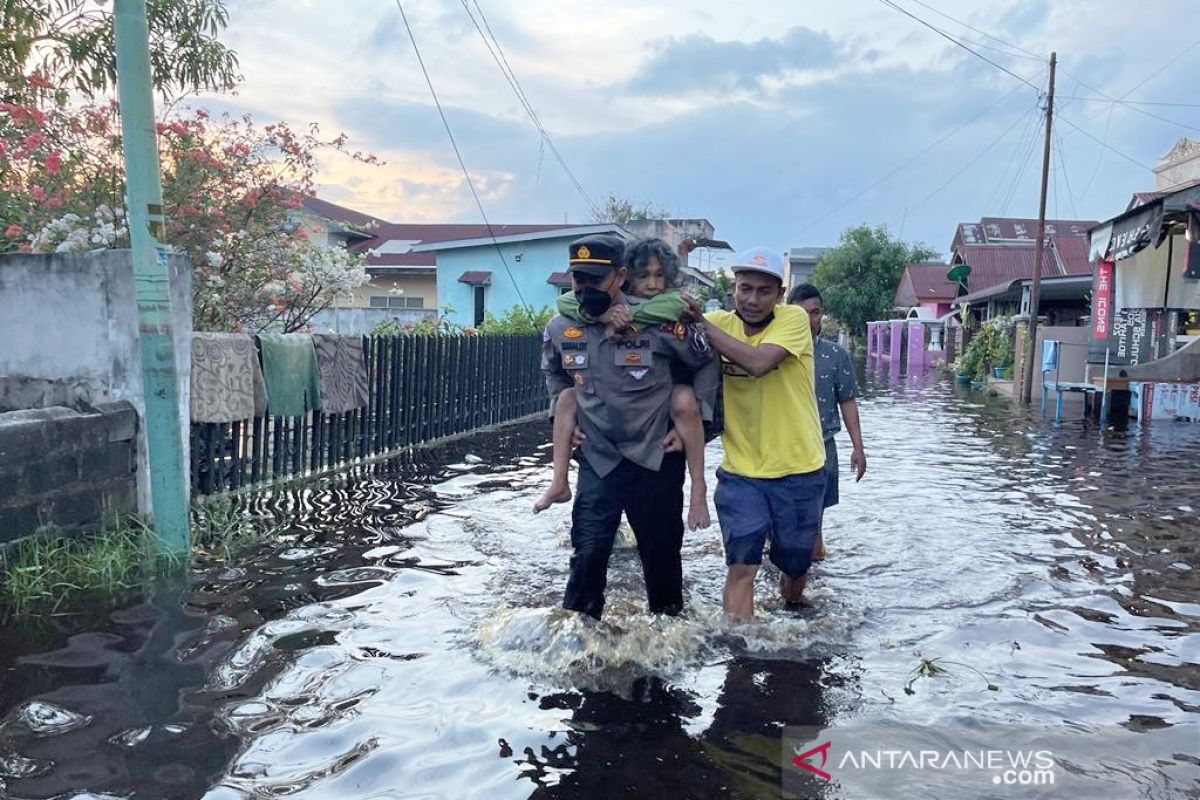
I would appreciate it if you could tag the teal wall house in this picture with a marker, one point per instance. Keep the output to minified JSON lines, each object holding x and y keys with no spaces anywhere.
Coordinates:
{"x":522,"y":264}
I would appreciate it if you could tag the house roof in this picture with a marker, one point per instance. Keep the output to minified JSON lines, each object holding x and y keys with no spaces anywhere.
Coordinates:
{"x":508,"y":234}
{"x":929,"y":281}
{"x":1053,"y":287}
{"x":332,"y":211}
{"x":1015,"y":230}
{"x":474,"y":277}
{"x":992,"y":265}
{"x":1142,"y":198}
{"x":408,"y":236}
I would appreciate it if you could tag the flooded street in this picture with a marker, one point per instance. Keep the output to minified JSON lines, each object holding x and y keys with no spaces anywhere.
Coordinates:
{"x":402,"y":638}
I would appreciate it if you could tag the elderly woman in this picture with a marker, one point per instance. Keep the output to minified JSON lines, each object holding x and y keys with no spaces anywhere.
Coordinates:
{"x":652,"y":299}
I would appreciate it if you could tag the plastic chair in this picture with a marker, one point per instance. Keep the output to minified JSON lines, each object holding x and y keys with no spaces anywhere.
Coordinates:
{"x":1050,"y":363}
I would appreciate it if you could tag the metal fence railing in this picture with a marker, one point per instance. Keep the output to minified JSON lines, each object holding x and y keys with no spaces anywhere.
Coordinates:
{"x":421,"y":388}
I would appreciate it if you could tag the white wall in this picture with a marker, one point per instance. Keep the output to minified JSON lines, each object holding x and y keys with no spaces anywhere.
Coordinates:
{"x":1141,"y":281}
{"x":69,"y":327}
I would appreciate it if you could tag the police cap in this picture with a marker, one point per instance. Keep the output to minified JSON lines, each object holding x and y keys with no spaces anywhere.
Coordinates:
{"x":597,"y":255}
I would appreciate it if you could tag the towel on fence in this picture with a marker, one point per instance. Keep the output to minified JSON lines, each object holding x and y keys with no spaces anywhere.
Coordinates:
{"x":227,"y":382}
{"x":290,"y":370}
{"x":343,"y":372}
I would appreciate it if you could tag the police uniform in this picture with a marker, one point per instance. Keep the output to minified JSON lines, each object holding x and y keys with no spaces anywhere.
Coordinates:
{"x":623,"y":388}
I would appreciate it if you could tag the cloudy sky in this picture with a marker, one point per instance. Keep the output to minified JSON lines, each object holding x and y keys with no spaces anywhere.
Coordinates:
{"x":780,"y":122}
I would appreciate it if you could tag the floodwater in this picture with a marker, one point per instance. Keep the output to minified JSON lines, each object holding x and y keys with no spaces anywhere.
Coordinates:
{"x":401,"y":638}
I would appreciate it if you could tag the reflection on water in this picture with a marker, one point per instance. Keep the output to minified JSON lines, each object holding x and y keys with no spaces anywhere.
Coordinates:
{"x":402,"y":638}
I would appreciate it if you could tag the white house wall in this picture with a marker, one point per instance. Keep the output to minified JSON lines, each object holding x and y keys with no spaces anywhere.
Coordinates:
{"x":1141,"y":281}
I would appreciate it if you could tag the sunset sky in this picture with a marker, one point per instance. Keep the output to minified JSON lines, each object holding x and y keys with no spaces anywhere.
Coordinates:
{"x":782,"y":123}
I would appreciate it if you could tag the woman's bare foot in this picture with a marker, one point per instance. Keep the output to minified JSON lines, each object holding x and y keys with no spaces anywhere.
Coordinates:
{"x":557,"y":493}
{"x":698,"y":509}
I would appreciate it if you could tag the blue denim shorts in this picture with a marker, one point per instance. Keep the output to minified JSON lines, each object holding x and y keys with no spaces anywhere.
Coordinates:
{"x":785,"y":511}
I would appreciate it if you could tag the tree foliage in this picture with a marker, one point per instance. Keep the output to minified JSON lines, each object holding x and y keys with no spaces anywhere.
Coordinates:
{"x":858,"y":277}
{"x":621,"y":210}
{"x":231,"y":195}
{"x":71,"y":43}
{"x":721,"y":289}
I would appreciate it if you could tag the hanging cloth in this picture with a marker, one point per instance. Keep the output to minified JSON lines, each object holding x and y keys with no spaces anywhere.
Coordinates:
{"x":343,"y":372}
{"x":227,"y":381}
{"x":289,"y":364}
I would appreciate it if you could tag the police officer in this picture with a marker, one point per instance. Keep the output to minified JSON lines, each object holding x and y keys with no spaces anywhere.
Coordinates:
{"x":623,"y":390}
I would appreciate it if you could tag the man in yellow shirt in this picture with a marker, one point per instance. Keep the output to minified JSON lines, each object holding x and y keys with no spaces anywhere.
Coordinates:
{"x":771,"y":484}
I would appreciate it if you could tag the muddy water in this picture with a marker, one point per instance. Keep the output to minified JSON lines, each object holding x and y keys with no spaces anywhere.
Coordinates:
{"x":401,"y":639}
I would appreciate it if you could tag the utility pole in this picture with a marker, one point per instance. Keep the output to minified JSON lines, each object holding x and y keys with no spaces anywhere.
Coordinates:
{"x":1039,"y":249}
{"x":151,"y":279}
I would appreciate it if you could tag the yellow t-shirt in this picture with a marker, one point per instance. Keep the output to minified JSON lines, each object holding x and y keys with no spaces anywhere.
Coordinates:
{"x":772,"y":427}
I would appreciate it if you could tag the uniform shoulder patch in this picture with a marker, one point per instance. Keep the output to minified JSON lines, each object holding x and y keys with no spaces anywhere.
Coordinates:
{"x":676,"y":329}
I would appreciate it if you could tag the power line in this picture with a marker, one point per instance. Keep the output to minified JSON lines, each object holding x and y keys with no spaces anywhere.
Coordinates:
{"x":1134,"y":106}
{"x":1023,"y":53}
{"x":1030,"y":150}
{"x":942,"y":33}
{"x":514,"y":83}
{"x":972,"y":162}
{"x":1021,"y":50}
{"x":461,"y":163}
{"x":1126,"y":102}
{"x":1014,"y":161}
{"x":1106,"y":146}
{"x":1103,"y":149}
{"x":883,"y":179}
{"x":1062,"y":160}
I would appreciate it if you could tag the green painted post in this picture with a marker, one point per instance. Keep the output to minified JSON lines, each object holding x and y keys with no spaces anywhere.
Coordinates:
{"x":168,"y":473}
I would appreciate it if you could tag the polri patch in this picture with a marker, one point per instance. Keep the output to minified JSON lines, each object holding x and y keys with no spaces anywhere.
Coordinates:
{"x":573,"y":333}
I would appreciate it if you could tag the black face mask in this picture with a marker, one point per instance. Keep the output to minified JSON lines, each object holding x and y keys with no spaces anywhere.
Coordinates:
{"x":767,"y":320}
{"x":593,"y":301}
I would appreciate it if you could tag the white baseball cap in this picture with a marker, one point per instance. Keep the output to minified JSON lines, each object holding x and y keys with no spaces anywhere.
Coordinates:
{"x":760,"y":259}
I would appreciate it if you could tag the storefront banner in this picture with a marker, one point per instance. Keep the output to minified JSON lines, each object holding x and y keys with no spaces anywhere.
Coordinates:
{"x":1102,"y":311}
{"x":1171,"y":401}
{"x":1136,"y":232}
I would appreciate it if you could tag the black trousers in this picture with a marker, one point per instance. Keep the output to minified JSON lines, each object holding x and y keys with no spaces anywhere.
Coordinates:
{"x":653,"y":502}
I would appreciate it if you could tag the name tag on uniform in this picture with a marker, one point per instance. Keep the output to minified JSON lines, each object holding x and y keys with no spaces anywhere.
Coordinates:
{"x":633,"y":353}
{"x":575,"y":359}
{"x":573,"y":346}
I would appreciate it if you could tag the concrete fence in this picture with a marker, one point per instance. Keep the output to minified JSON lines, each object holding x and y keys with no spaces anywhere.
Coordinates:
{"x":69,"y":327}
{"x":65,"y":468}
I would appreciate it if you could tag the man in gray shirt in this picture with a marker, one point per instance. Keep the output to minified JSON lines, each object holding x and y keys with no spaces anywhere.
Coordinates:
{"x":623,"y":389}
{"x":836,"y":399}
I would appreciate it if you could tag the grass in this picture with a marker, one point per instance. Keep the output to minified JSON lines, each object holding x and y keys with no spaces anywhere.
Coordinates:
{"x":49,"y":570}
{"x":937,"y":667}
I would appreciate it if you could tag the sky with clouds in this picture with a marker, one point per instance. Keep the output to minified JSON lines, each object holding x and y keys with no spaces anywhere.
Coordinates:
{"x":780,"y":122}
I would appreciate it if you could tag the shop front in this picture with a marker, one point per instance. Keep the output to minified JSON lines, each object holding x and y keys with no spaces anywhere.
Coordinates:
{"x":1145,"y":304}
